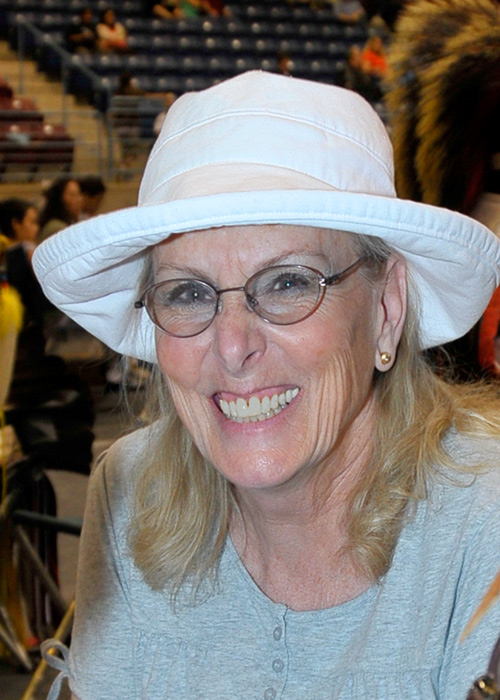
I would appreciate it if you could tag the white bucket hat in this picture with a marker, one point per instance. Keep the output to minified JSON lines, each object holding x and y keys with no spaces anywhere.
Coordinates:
{"x":263,"y":149}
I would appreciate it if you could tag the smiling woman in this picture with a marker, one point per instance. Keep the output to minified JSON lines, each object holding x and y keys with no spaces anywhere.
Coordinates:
{"x":309,"y":513}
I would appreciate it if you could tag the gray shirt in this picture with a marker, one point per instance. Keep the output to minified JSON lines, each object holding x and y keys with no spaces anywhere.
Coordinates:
{"x":398,"y":640}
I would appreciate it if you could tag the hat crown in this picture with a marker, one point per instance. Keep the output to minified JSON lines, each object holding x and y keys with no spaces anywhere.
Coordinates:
{"x":261,"y":131}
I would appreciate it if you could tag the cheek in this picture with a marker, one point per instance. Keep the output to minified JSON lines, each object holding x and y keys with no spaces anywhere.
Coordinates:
{"x":344,"y":327}
{"x":341,"y":357}
{"x":180,"y":360}
{"x":182,"y":367}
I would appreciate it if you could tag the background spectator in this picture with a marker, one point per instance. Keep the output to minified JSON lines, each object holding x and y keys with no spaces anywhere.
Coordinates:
{"x":112,"y":35}
{"x":348,"y":11}
{"x":358,"y":79}
{"x":93,"y":190}
{"x":63,"y":206}
{"x":19,"y":224}
{"x":218,"y":8}
{"x":373,"y":57}
{"x":165,"y":9}
{"x":285,"y":63}
{"x":387,"y":10}
{"x":81,"y":36}
{"x":127,"y":85}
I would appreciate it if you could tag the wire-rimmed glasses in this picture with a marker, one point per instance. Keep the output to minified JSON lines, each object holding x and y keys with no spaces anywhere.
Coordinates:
{"x":281,"y":295}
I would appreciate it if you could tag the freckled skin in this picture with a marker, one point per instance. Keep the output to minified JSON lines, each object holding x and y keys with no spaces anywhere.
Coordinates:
{"x":325,"y":433}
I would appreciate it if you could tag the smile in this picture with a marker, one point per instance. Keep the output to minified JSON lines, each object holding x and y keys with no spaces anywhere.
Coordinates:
{"x":257,"y":409}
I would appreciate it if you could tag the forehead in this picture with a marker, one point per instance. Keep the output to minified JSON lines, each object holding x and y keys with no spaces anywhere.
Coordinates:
{"x":253,"y":244}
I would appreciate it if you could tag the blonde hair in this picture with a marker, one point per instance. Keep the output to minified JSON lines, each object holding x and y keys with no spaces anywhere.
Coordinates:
{"x":183,"y":504}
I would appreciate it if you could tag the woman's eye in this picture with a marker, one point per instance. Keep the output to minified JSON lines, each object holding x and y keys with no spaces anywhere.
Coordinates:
{"x":188,"y":293}
{"x":294,"y":282}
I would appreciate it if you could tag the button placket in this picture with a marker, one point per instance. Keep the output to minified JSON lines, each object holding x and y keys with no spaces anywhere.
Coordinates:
{"x":278,"y":661}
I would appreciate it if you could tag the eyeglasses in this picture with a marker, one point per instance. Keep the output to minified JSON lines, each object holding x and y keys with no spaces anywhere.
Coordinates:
{"x":281,"y":295}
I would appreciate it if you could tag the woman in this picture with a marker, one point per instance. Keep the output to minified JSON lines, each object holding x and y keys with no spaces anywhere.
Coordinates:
{"x":19,"y":224}
{"x":111,"y":35}
{"x":311,"y":512}
{"x":63,"y":206}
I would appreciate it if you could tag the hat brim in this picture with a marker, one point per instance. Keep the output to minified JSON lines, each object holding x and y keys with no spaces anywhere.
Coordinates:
{"x":91,"y":270}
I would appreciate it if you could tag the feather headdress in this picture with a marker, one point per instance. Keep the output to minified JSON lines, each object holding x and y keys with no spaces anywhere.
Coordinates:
{"x":444,"y":99}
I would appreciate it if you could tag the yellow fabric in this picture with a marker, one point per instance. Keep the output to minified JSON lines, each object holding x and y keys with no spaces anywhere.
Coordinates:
{"x":11,"y":310}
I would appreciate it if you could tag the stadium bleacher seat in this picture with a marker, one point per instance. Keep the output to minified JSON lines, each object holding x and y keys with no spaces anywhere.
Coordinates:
{"x":32,"y":147}
{"x":194,"y":52}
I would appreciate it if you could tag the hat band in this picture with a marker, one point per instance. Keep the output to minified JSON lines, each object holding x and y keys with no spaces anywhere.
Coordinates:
{"x":230,"y":178}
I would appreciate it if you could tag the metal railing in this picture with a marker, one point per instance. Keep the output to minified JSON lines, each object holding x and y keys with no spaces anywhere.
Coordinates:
{"x":25,"y":29}
{"x":111,"y":136}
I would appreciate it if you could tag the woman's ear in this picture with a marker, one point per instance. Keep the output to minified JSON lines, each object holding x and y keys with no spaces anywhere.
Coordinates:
{"x":392,"y":313}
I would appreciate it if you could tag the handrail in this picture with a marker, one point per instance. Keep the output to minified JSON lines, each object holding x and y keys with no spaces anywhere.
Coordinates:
{"x":68,"y":60}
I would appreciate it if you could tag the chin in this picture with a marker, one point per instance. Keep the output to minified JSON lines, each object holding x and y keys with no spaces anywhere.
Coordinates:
{"x":253,"y":470}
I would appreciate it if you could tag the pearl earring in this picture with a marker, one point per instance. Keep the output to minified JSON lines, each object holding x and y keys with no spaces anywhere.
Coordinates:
{"x":385,"y":358}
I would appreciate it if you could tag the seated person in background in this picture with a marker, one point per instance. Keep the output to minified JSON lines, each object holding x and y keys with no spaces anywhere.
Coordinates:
{"x":387,"y":10}
{"x":217,"y":8}
{"x":81,"y":37}
{"x":192,"y":8}
{"x":348,"y":11}
{"x":63,"y":206}
{"x":127,"y":86}
{"x":175,"y":9}
{"x":165,"y":9}
{"x":373,"y":59}
{"x":93,"y":190}
{"x":111,"y":35}
{"x":19,"y":224}
{"x":358,"y":79}
{"x":285,"y":63}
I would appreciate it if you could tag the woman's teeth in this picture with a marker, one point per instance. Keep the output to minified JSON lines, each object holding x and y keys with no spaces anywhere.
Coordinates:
{"x":257,"y":409}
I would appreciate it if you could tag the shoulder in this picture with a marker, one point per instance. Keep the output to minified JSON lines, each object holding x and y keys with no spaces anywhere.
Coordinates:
{"x":52,"y":226}
{"x":124,"y":459}
{"x":478,"y":462}
{"x":117,"y":471}
{"x":462,"y":509}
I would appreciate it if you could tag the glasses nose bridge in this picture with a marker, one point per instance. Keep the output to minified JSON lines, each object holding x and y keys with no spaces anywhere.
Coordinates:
{"x":220,"y":292}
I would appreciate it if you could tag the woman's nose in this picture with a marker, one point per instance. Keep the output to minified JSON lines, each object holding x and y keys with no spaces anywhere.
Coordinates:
{"x":239,"y":335}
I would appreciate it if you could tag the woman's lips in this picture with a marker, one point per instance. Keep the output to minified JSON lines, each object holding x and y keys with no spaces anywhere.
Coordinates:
{"x":257,"y":408}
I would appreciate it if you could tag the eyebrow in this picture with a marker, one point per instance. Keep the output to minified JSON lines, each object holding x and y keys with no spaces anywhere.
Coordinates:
{"x":289,"y":257}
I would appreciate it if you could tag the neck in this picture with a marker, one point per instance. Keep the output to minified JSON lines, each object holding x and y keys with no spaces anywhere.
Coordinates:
{"x":293,"y":540}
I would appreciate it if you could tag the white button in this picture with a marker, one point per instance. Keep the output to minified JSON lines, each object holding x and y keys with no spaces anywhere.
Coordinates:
{"x":277,"y":633}
{"x":269,"y":694}
{"x":277,"y":665}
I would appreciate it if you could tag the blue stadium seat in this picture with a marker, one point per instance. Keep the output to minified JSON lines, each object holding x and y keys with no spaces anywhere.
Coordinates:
{"x":219,"y":26}
{"x":170,"y":83}
{"x":191,"y":44}
{"x":219,"y":44}
{"x":196,"y":83}
{"x":166,"y":64}
{"x":268,"y":45}
{"x":242,"y":46}
{"x":280,"y":13}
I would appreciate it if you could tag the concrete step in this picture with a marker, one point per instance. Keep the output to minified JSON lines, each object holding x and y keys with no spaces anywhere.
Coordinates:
{"x":81,"y":121}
